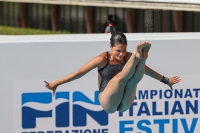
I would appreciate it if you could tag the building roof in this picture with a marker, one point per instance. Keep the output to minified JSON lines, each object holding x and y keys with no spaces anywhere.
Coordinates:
{"x":182,"y":5}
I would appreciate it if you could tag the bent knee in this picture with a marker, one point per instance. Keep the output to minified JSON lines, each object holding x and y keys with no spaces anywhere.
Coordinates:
{"x":110,"y":111}
{"x":123,"y":107}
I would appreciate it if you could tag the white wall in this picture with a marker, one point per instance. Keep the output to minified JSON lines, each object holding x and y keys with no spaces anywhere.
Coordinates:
{"x":26,"y":61}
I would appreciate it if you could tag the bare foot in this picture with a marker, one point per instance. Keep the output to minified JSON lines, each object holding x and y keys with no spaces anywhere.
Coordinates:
{"x":142,"y":49}
{"x":146,"y":49}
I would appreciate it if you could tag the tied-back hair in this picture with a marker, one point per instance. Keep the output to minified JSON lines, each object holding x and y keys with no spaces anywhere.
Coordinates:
{"x":116,"y":37}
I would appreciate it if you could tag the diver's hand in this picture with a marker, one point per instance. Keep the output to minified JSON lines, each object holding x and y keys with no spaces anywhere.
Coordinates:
{"x":173,"y":80}
{"x":52,"y":86}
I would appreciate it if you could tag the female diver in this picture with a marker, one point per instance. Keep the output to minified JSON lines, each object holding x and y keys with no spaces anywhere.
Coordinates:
{"x":119,"y":73}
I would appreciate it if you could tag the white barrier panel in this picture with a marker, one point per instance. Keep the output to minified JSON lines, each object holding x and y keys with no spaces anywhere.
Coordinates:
{"x":28,"y":107}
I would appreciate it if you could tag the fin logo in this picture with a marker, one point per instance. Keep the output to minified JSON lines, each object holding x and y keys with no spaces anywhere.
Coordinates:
{"x":32,"y":109}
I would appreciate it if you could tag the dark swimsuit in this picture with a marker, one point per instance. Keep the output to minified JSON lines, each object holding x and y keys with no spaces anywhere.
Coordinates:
{"x":108,"y":72}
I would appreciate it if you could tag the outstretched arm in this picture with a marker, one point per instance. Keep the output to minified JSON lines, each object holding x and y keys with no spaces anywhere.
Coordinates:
{"x":93,"y":63}
{"x":152,"y":73}
{"x":171,"y":81}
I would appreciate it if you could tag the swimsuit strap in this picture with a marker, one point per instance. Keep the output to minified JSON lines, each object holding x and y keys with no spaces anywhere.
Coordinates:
{"x":108,"y":60}
{"x":125,"y":59}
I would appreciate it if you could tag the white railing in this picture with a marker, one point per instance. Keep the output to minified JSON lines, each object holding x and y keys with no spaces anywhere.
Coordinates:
{"x":181,"y":5}
{"x":169,"y":1}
